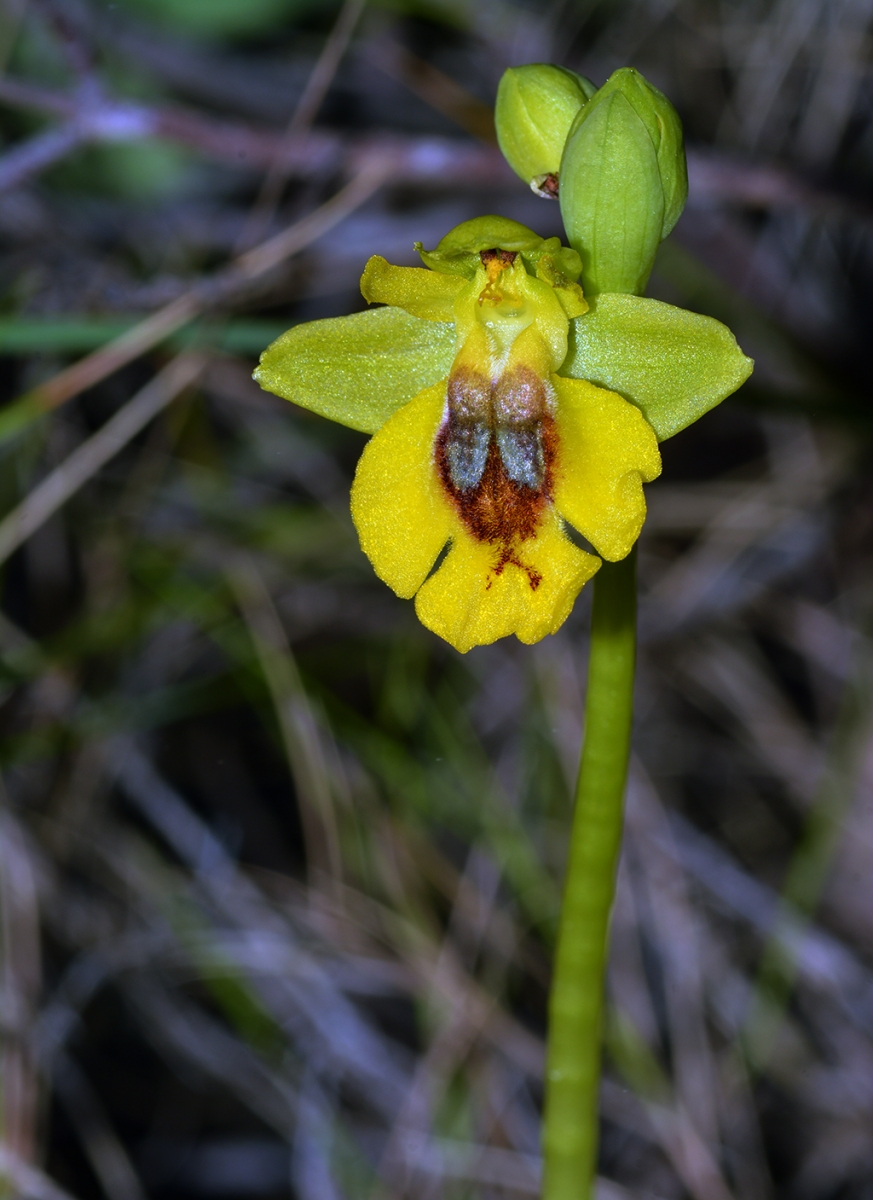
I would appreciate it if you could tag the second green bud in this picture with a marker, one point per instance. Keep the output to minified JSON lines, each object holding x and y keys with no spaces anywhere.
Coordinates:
{"x":623,"y":181}
{"x":536,"y":105}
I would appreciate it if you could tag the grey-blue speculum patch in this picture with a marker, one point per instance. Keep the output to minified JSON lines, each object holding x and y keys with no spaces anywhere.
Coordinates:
{"x":495,"y":454}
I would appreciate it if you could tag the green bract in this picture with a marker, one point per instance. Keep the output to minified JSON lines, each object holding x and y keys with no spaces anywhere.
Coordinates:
{"x":623,"y":181}
{"x":359,"y":370}
{"x":536,"y":105}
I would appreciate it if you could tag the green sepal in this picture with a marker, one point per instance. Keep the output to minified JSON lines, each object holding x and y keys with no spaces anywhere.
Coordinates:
{"x":673,"y":364}
{"x":458,"y":252}
{"x":536,"y":105}
{"x":612,"y":202}
{"x":358,"y":370}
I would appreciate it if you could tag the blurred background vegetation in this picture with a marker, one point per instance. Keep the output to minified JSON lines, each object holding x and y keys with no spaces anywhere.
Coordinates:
{"x":279,"y":870}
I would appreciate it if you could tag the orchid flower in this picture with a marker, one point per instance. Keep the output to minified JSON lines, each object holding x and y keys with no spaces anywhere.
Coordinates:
{"x":511,"y":415}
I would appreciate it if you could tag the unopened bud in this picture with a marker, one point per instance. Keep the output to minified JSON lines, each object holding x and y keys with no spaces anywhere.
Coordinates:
{"x":536,"y":106}
{"x":623,"y":181}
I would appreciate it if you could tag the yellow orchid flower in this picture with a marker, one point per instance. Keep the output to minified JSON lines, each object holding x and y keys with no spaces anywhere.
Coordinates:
{"x":507,"y":410}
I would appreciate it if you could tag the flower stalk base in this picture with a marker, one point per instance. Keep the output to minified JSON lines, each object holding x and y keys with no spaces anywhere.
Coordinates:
{"x":577,"y":996}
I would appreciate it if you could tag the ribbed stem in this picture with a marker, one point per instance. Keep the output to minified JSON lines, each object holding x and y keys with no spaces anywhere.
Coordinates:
{"x":577,"y":996}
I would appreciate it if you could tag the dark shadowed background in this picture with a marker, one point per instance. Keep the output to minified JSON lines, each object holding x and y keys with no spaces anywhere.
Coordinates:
{"x":279,"y":870}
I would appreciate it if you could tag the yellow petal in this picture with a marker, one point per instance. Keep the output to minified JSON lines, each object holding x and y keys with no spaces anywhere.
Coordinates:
{"x":401,"y":515}
{"x":606,"y":449}
{"x":422,"y":293}
{"x":473,"y":599}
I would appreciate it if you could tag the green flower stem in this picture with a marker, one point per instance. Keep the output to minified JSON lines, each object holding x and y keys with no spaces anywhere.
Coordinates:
{"x":577,"y":996}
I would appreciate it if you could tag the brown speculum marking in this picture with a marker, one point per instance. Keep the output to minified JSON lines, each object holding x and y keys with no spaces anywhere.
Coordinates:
{"x":495,"y":454}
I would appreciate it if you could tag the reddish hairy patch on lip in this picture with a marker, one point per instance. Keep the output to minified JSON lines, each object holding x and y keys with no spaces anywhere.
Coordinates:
{"x":498,"y":509}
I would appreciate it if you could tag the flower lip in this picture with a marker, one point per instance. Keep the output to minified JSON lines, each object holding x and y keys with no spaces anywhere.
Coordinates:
{"x":494,"y":455}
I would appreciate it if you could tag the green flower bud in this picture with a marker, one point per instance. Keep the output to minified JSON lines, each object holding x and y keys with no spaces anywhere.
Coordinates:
{"x":623,"y":182}
{"x":536,"y":105}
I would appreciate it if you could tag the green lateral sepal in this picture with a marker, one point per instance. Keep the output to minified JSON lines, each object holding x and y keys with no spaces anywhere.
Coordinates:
{"x":673,"y":364}
{"x":358,"y":370}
